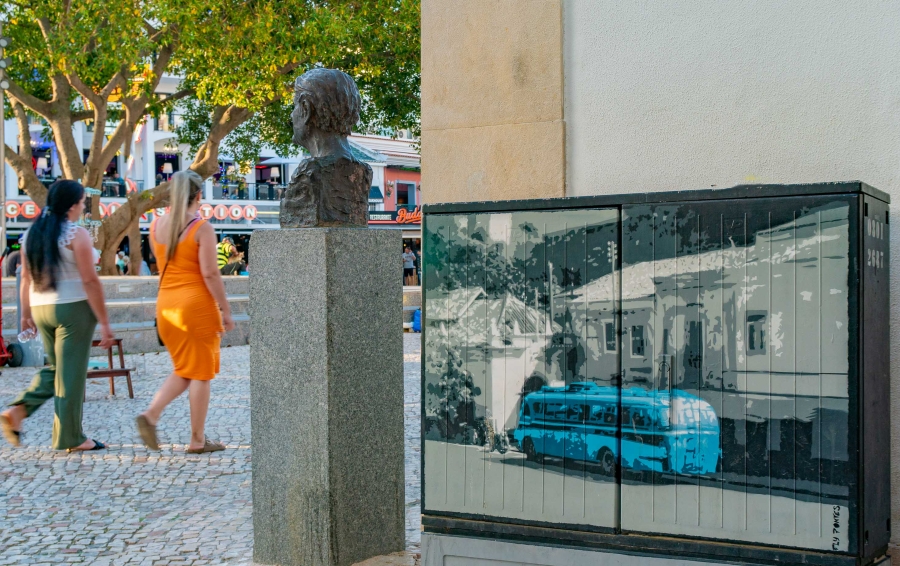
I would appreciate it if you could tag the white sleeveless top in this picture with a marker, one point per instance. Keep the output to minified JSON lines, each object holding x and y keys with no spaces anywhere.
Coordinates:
{"x":69,"y":287}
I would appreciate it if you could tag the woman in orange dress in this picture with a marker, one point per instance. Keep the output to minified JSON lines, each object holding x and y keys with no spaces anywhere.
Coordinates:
{"x":191,"y":296}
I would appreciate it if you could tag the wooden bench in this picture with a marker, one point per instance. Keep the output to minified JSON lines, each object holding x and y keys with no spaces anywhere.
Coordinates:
{"x":113,"y":372}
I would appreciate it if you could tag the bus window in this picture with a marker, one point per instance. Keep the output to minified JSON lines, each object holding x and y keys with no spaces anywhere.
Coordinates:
{"x":639,"y":418}
{"x":605,"y":414}
{"x":526,"y":410}
{"x":538,"y":408}
{"x":577,"y":413}
{"x":556,"y":411}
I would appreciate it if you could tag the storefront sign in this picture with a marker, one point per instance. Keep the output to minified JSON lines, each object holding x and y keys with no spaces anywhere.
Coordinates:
{"x":22,"y":211}
{"x":220,"y":212}
{"x":402,"y":216}
{"x":12,"y":209}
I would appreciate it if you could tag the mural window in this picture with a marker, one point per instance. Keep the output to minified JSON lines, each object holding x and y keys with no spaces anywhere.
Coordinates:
{"x":756,"y":333}
{"x":637,"y":341}
{"x":526,"y":410}
{"x":610,"y":336}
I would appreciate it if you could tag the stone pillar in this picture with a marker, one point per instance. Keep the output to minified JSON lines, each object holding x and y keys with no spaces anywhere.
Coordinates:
{"x":326,"y":395}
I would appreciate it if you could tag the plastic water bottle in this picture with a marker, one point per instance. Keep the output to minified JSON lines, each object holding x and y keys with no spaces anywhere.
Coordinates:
{"x":26,"y":335}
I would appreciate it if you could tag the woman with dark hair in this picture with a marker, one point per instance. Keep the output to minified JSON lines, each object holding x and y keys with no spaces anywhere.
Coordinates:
{"x":192,"y":310}
{"x":62,"y":299}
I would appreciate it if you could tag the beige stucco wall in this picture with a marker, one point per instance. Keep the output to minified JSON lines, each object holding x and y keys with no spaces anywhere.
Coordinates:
{"x":492,"y":100}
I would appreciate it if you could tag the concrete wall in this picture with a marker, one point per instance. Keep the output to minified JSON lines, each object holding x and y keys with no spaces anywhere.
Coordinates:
{"x":492,"y":99}
{"x":646,"y":96}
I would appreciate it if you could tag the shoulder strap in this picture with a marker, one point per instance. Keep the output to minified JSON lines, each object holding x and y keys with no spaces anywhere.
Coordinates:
{"x":163,"y":274}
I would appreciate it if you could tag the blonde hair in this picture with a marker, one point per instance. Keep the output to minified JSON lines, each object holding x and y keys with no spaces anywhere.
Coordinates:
{"x":186,"y":185}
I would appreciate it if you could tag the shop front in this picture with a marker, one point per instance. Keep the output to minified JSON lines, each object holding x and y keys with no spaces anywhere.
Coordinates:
{"x":238,"y":221}
{"x":410,"y":222}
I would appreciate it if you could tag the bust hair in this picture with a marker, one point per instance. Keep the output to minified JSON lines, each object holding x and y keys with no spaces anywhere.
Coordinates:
{"x":333,"y":99}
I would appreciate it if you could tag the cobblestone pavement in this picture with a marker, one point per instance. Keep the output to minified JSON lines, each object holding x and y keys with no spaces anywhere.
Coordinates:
{"x":127,"y":505}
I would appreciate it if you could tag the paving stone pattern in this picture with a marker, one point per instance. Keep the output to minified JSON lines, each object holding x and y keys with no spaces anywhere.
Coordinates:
{"x":128,"y":505}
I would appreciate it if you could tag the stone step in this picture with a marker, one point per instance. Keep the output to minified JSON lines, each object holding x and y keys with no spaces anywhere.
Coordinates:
{"x":140,"y":337}
{"x":115,"y":287}
{"x":131,"y":310}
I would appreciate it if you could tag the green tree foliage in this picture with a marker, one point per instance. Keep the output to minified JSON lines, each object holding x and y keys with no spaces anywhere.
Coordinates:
{"x":101,"y":62}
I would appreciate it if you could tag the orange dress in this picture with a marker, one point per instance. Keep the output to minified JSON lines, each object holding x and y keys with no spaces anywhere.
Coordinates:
{"x":187,"y":316}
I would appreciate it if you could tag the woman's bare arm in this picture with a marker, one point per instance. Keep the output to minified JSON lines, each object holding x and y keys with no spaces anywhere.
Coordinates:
{"x":209,"y":268}
{"x":25,"y":297}
{"x":83,"y":249}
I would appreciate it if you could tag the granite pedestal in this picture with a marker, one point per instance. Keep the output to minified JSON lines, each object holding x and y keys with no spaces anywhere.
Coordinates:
{"x":326,"y":395}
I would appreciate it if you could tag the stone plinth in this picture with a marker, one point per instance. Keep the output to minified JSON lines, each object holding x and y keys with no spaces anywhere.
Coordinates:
{"x":326,"y":395}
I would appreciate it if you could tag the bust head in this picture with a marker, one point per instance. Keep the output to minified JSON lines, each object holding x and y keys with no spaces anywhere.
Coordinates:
{"x":326,"y":107}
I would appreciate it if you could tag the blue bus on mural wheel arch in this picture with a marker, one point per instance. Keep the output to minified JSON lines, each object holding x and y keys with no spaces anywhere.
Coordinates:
{"x":662,"y":431}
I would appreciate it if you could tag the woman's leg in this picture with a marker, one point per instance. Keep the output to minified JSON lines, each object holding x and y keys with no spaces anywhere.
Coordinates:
{"x":73,"y":350}
{"x":199,"y":399}
{"x":42,"y":386}
{"x":171,"y":388}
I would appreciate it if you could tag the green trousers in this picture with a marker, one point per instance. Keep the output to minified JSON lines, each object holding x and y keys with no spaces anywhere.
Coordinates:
{"x":67,"y":330}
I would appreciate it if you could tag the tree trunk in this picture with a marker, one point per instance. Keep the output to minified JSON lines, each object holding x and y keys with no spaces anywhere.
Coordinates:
{"x":134,"y":248}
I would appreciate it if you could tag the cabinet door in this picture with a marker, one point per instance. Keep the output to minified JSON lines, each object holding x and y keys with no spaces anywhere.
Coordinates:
{"x":735,"y":326}
{"x":521,"y":308}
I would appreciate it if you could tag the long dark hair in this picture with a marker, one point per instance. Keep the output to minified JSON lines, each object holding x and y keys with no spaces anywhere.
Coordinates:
{"x":42,"y":243}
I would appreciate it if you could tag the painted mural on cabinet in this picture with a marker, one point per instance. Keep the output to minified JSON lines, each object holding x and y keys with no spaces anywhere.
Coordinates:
{"x":675,"y":368}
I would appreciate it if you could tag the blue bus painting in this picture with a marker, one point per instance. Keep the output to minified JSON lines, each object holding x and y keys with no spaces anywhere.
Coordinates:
{"x":662,"y":431}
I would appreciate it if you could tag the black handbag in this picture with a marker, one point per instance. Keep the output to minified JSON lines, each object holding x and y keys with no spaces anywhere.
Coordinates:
{"x":163,"y":274}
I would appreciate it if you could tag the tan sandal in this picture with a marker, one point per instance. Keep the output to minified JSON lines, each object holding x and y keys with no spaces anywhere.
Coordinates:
{"x":208,"y":446}
{"x":12,"y":436}
{"x":147,"y":432}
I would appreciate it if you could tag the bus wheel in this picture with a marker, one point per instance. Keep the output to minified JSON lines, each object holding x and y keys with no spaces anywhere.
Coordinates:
{"x":530,"y":453}
{"x":607,"y":461}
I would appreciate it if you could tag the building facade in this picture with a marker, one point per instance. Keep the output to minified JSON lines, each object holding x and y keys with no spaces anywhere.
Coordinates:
{"x":236,"y":202}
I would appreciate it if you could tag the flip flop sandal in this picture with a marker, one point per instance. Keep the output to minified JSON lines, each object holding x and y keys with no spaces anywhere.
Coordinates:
{"x":208,"y":446}
{"x":12,"y":436}
{"x":147,"y":432}
{"x":97,"y":446}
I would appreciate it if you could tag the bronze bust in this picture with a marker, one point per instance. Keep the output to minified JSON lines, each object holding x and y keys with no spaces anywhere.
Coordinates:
{"x":331,"y":187}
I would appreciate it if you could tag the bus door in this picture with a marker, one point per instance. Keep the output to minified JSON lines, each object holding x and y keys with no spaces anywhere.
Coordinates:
{"x":638,"y":442}
{"x":577,"y":414}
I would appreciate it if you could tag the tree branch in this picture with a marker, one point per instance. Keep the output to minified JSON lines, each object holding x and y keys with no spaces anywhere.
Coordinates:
{"x":84,"y":90}
{"x":119,"y":78}
{"x":184,"y":93}
{"x":30,"y":101}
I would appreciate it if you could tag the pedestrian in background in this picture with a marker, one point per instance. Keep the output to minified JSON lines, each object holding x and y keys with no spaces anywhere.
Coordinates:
{"x":12,"y":261}
{"x":224,"y":250}
{"x":191,"y":295}
{"x":409,"y":266}
{"x":235,"y":265}
{"x":62,"y":299}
